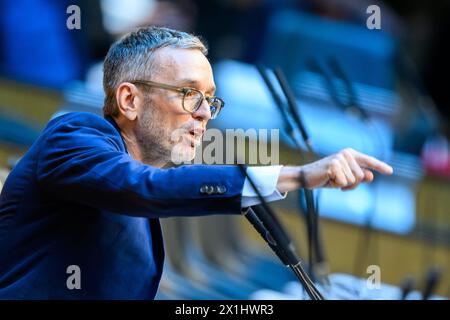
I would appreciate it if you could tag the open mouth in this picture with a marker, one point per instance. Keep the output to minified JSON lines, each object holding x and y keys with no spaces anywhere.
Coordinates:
{"x":196,"y":137}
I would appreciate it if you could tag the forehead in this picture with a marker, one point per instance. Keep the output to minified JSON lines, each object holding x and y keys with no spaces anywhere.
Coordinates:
{"x":175,"y":64}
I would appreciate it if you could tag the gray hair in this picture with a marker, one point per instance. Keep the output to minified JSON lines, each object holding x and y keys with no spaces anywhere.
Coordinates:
{"x":131,"y":58}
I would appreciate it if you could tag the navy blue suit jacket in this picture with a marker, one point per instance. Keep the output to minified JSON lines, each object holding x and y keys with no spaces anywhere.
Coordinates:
{"x":78,"y":198}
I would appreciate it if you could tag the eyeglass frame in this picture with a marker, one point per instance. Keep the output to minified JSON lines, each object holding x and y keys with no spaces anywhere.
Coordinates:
{"x":184,"y":91}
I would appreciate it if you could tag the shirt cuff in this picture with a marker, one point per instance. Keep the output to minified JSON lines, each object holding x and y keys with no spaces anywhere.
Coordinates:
{"x":265,"y":179}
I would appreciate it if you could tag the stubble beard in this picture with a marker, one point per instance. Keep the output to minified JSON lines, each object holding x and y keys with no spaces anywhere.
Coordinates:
{"x":151,"y":136}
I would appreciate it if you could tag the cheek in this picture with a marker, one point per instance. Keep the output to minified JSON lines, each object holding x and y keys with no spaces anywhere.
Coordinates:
{"x":170,"y":119}
{"x":178,"y":122}
{"x":175,"y":129}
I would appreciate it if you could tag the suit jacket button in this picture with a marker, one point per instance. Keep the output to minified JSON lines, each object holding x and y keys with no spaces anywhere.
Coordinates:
{"x":209,"y":189}
{"x":221,"y":189}
{"x":203,"y":189}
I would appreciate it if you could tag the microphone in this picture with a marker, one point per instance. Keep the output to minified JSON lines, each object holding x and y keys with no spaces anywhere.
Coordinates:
{"x":431,"y":280}
{"x":266,"y":223}
{"x":406,"y":286}
{"x":258,"y":210}
{"x":292,"y":115}
{"x":252,"y":217}
{"x":317,"y":257}
{"x":315,"y":66}
{"x":279,"y":104}
{"x":339,"y":73}
{"x":353,"y":104}
{"x":293,"y":108}
{"x":278,"y":237}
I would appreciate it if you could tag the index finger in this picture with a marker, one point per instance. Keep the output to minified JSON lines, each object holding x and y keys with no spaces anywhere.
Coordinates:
{"x":369,"y":162}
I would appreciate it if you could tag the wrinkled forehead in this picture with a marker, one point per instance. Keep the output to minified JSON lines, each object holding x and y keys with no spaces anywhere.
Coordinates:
{"x":175,"y":65}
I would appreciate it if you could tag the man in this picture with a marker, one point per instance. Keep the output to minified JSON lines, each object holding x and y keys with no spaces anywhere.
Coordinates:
{"x":87,"y":196}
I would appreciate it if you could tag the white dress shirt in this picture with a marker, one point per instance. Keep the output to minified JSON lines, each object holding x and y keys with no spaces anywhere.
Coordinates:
{"x":265,"y":179}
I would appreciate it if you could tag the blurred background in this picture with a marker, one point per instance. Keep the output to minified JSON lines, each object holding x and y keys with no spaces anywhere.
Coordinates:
{"x":383,"y":92}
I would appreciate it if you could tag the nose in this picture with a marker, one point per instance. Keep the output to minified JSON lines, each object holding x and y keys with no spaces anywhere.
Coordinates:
{"x":203,"y":113}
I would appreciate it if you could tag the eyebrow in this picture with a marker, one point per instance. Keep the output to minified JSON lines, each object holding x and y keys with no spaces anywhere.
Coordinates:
{"x":194,"y":84}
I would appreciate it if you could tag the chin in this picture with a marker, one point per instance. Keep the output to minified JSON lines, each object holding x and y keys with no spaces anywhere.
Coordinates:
{"x":185,"y":153}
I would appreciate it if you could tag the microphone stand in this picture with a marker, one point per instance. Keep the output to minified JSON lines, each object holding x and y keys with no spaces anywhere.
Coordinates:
{"x":321,"y":266}
{"x":317,"y":263}
{"x":368,"y":240}
{"x":353,"y":106}
{"x":431,"y":280}
{"x":406,"y":286}
{"x":268,"y":226}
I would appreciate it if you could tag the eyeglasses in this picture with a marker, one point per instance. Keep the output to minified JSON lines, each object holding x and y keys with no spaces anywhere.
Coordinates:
{"x":192,"y":98}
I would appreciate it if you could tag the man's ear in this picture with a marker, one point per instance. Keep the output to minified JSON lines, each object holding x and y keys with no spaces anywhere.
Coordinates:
{"x":129,"y":100}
